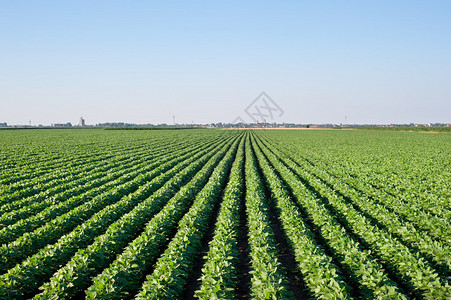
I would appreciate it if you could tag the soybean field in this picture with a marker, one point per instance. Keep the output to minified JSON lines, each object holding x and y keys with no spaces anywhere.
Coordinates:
{"x":224,"y":214}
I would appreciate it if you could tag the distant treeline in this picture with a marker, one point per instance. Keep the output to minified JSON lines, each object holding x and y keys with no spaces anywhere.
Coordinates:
{"x":105,"y":128}
{"x":28,"y":127}
{"x":408,"y":128}
{"x":47,"y":127}
{"x":151,"y":128}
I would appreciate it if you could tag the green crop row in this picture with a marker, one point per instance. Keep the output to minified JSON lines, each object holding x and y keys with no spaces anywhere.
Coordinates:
{"x":36,"y":169}
{"x":435,"y":225}
{"x":17,"y":210}
{"x":31,"y":242}
{"x":42,"y":212}
{"x":65,"y":174}
{"x":224,"y":214}
{"x":321,"y":276}
{"x":77,"y":176}
{"x":415,"y":273}
{"x":76,"y":275}
{"x":268,"y":279}
{"x":40,"y":266}
{"x":219,"y":277}
{"x":171,"y":270}
{"x":122,"y":277}
{"x":367,"y":274}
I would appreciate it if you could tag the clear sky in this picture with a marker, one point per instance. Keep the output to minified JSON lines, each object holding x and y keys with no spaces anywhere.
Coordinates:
{"x":206,"y":61}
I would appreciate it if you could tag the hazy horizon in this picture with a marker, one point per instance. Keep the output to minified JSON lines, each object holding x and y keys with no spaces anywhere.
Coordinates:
{"x":206,"y":62}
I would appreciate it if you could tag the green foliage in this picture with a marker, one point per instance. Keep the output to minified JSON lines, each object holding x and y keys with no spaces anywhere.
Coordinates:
{"x":113,"y":214}
{"x":219,"y":277}
{"x":409,"y":128}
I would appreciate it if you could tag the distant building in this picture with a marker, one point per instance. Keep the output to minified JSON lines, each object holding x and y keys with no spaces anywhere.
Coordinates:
{"x":81,"y":122}
{"x":62,"y":125}
{"x":3,"y":125}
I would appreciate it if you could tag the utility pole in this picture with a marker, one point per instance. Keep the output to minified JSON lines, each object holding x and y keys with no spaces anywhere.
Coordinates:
{"x":173,"y":120}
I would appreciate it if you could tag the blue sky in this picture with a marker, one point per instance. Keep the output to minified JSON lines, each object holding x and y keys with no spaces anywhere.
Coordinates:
{"x":205,"y":61}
